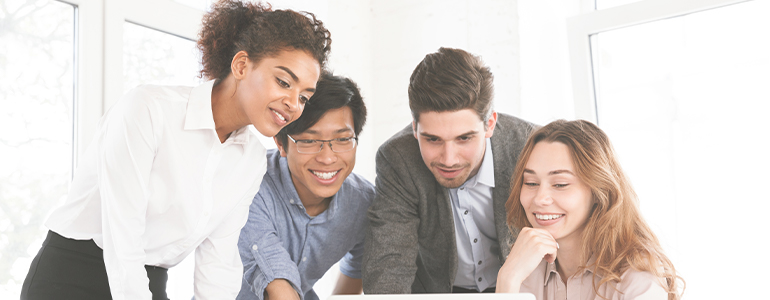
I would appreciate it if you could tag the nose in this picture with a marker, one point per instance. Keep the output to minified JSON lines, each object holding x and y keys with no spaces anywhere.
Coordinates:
{"x":291,"y":101}
{"x":449,"y":155}
{"x":543,"y":196}
{"x":326,"y":156}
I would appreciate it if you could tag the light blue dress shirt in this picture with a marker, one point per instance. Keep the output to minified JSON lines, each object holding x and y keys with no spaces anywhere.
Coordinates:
{"x":477,"y":246}
{"x":280,"y":240}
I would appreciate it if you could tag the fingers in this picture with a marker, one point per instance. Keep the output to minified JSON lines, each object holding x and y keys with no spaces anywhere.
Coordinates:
{"x":537,"y":242}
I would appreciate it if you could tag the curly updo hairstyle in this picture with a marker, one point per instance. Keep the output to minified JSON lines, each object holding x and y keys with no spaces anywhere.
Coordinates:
{"x":232,"y":26}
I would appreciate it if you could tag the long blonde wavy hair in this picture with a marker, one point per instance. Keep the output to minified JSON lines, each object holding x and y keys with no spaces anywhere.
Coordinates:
{"x":615,"y":234}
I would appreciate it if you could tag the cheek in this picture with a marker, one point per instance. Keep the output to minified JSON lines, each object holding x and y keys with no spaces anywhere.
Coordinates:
{"x":350,"y":160}
{"x":427,"y":152}
{"x":526,"y":197}
{"x":581,"y":205}
{"x":475,"y":152}
{"x":296,"y":165}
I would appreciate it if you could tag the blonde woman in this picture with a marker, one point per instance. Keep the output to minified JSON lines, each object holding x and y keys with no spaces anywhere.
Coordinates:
{"x":582,"y":235}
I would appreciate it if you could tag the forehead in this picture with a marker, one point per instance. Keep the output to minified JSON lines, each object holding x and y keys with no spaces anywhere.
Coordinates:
{"x":334,"y":120}
{"x":550,"y":156}
{"x":449,"y":124}
{"x":299,"y":62}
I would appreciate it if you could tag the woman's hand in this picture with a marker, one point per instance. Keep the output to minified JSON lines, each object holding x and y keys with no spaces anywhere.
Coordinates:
{"x":531,"y":247}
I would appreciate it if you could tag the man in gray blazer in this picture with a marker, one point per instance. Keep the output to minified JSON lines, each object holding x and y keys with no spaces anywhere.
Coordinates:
{"x":438,"y":221}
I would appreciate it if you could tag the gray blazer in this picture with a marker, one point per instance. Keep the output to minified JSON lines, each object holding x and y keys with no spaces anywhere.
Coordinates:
{"x":410,"y":241}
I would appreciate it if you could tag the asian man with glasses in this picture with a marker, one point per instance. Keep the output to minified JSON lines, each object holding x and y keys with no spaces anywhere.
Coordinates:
{"x":310,"y":211}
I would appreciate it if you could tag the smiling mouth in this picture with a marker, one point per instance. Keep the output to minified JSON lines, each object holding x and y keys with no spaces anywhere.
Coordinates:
{"x":278,"y":115}
{"x":325,"y":175}
{"x":548,"y":216}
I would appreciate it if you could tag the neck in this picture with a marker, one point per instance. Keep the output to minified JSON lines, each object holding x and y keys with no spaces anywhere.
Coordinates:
{"x":225,"y":108}
{"x":314,"y":208}
{"x":568,"y":255}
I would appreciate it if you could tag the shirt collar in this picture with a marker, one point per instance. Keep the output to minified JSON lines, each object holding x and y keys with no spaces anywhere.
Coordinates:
{"x":486,"y":175}
{"x":550,"y":269}
{"x":200,"y":116}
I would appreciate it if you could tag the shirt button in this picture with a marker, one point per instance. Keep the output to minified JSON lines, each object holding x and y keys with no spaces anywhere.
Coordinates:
{"x":254,"y":247}
{"x":291,"y":201}
{"x":479,"y":279}
{"x":304,"y":258}
{"x":462,"y":188}
{"x":475,"y":240}
{"x":479,"y":263}
{"x":466,"y":212}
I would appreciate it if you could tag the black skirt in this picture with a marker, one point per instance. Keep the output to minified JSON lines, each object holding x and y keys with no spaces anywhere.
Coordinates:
{"x":74,"y":269}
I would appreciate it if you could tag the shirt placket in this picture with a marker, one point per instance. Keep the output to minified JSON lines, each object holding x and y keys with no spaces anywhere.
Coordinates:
{"x":477,"y":247}
{"x":302,"y":263}
{"x":206,"y":201}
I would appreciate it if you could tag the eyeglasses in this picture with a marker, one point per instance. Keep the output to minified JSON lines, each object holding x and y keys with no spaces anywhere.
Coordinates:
{"x":315,"y":146}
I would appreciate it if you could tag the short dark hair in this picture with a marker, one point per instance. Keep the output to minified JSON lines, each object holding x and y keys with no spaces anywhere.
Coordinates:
{"x":331,"y":92}
{"x":451,"y":80}
{"x":232,"y":26}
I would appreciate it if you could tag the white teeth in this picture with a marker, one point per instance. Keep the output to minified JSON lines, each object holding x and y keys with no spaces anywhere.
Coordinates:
{"x":547,"y":217}
{"x":279,"y":115}
{"x":325,"y":175}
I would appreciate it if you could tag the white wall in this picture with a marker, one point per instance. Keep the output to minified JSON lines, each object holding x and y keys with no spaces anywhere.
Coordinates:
{"x":379,"y":43}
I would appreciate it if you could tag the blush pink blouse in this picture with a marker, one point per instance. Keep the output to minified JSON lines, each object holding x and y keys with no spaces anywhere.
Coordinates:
{"x":546,"y":284}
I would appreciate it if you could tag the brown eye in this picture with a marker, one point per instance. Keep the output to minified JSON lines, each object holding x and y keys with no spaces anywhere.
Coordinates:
{"x":283,"y":83}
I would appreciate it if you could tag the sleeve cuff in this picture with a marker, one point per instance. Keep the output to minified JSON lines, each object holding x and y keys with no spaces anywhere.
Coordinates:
{"x":349,"y":268}
{"x":267,"y":270}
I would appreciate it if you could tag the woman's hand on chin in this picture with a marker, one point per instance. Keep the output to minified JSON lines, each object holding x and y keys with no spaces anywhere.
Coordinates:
{"x":531,"y":247}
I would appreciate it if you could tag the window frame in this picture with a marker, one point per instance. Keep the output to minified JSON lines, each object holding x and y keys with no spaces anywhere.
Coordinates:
{"x":581,"y":28}
{"x":99,"y":52}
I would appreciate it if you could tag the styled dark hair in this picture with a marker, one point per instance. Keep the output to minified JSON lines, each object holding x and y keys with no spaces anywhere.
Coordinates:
{"x":234,"y":26}
{"x":331,"y":92}
{"x":451,"y":80}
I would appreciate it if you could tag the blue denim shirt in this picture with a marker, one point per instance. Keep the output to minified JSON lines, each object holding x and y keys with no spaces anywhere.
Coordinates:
{"x":280,"y":240}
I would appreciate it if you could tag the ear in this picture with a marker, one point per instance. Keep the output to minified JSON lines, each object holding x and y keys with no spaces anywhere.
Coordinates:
{"x":239,"y":65}
{"x":490,"y":126}
{"x":280,"y":146}
{"x":414,"y":129}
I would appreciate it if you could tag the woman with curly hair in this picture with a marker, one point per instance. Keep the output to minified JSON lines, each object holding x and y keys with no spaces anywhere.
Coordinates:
{"x":173,"y":170}
{"x":581,"y":233}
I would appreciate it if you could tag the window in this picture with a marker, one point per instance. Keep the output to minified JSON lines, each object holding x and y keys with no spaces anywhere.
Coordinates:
{"x":151,"y":56}
{"x":37,"y":88}
{"x":683,"y":98}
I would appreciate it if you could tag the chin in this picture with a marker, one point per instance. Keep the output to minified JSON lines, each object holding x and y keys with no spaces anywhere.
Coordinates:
{"x":326,"y":192}
{"x":450,"y":183}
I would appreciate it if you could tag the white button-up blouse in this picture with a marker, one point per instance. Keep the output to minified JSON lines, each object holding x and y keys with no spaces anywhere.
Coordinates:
{"x":156,"y":184}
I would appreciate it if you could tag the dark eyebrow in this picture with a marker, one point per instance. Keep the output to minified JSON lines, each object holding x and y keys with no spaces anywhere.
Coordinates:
{"x":310,"y":131}
{"x":294,"y":76}
{"x":428,"y":135}
{"x":343,"y":130}
{"x":287,"y":70}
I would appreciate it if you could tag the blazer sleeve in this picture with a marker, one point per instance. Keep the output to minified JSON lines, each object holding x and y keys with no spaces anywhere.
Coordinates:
{"x":390,"y":248}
